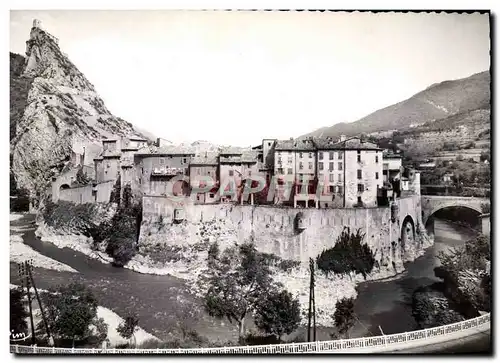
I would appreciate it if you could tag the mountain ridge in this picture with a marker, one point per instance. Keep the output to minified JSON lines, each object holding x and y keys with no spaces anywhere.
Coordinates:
{"x":437,"y":101}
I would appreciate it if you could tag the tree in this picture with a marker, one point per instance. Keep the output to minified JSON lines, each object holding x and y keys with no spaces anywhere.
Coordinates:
{"x":70,"y":311}
{"x":278,"y":314}
{"x":237,"y":282}
{"x":18,"y":313}
{"x":344,"y":315}
{"x":101,"y":333}
{"x":128,"y":327}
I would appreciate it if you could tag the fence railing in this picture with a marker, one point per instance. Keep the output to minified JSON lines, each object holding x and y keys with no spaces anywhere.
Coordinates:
{"x":368,"y":344}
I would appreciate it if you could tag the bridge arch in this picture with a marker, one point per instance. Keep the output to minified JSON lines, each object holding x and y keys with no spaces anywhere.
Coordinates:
{"x":64,"y":186}
{"x":432,"y":204}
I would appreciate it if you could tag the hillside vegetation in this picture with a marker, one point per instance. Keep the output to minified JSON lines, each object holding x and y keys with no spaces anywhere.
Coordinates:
{"x":436,"y":102}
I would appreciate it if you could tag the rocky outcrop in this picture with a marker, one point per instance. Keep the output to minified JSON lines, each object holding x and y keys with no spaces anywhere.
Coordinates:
{"x":61,"y":114}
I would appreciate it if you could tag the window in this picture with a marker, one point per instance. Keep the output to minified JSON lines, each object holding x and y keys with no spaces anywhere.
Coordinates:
{"x":211,"y":195}
{"x":376,"y":158}
{"x":162,"y":161}
{"x":361,"y":188}
{"x":310,"y":155}
{"x":249,"y":173}
{"x":290,"y":171}
{"x":279,"y":160}
{"x":340,"y":155}
{"x":360,"y":174}
{"x":290,"y":160}
{"x":359,"y":200}
{"x":384,"y":172}
{"x":310,"y":165}
{"x":320,"y":155}
{"x":301,"y":155}
{"x":332,"y":156}
{"x":339,"y":189}
{"x":340,"y":166}
{"x":140,"y":181}
{"x":340,"y":178}
{"x":385,"y":166}
{"x":231,"y":172}
{"x":376,"y":175}
{"x":330,"y":188}
{"x":142,"y":171}
{"x":268,"y":144}
{"x":320,"y":166}
{"x":330,"y":167}
{"x":301,"y":166}
{"x":359,"y":157}
{"x":184,"y":160}
{"x":331,"y":178}
{"x":108,"y":165}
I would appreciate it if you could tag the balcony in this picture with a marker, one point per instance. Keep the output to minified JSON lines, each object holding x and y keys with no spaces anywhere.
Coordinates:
{"x":168,"y":171}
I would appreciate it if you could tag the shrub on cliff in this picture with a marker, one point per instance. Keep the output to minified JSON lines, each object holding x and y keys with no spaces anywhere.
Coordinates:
{"x":348,"y":255}
{"x":20,"y":202}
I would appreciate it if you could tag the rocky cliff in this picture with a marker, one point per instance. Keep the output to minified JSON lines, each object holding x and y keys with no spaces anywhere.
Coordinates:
{"x":55,"y":111}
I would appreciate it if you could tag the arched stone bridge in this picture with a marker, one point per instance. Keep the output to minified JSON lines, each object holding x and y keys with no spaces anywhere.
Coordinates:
{"x":432,"y":203}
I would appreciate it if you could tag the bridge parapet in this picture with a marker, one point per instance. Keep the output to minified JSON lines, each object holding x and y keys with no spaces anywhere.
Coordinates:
{"x":381,"y":343}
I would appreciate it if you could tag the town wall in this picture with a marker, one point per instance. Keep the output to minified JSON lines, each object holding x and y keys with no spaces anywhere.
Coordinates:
{"x":85,"y":193}
{"x":273,"y":229}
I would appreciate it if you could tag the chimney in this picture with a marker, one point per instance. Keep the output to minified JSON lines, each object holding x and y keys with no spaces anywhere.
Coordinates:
{"x":37,"y":23}
{"x":342,"y":138}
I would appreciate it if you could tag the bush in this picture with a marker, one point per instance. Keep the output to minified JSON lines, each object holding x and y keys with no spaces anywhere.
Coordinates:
{"x":344,"y":315}
{"x":20,"y":201}
{"x":121,"y":249}
{"x":348,"y":255}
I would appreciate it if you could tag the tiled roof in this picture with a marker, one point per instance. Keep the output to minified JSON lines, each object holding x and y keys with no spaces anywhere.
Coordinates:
{"x":292,"y":145}
{"x":231,"y":150}
{"x":350,"y":144}
{"x":166,"y":150}
{"x":208,"y":158}
{"x":244,"y":156}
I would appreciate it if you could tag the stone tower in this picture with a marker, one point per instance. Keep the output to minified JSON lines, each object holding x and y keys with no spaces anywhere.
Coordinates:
{"x":37,"y":23}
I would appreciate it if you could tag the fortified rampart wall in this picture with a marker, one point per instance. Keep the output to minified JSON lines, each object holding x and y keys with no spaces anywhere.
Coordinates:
{"x":273,"y":229}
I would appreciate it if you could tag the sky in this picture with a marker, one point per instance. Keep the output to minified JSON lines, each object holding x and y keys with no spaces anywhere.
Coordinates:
{"x":238,"y":77}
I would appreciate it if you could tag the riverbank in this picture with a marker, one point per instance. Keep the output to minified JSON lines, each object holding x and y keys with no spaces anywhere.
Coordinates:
{"x":189,"y":264}
{"x":112,"y":319}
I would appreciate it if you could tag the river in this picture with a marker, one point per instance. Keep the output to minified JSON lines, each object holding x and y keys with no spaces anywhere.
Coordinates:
{"x":380,"y":305}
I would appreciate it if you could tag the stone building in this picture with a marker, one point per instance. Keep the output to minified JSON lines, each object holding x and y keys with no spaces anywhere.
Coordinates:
{"x":155,"y":168}
{"x":203,"y":170}
{"x":362,"y":173}
{"x":236,"y":168}
{"x":107,"y":164}
{"x":331,"y":168}
{"x":392,"y":167}
{"x":295,"y":171}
